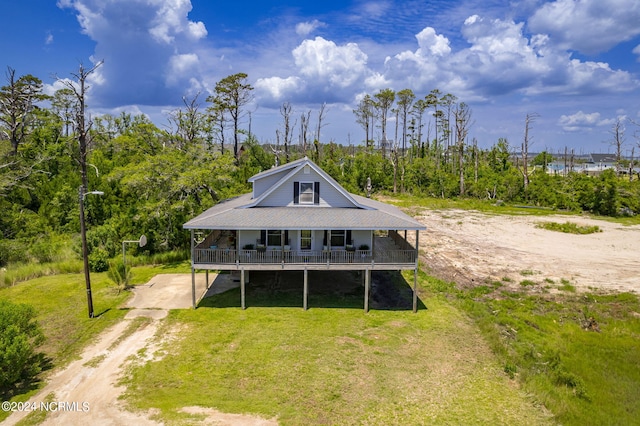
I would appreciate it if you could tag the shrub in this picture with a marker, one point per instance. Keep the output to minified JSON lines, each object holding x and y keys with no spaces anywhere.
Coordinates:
{"x":99,"y":260}
{"x":120,"y":275}
{"x":20,"y":335}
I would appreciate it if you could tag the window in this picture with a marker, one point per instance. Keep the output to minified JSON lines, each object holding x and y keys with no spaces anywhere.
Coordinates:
{"x":338,"y":238}
{"x":305,"y":239}
{"x":306,"y":192}
{"x":274,"y":238}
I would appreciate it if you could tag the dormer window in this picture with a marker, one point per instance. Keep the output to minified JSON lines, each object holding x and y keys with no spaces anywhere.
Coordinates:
{"x":306,"y":192}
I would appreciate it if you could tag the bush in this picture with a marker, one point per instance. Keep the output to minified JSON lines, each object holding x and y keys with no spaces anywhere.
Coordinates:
{"x":20,"y":335}
{"x":99,"y":260}
{"x":120,"y":275}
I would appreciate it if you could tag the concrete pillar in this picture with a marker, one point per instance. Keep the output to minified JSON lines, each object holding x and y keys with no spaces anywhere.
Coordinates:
{"x":415,"y":273}
{"x":367,"y":279}
{"x":193,"y":288}
{"x":242,"y":289}
{"x":305,"y":290}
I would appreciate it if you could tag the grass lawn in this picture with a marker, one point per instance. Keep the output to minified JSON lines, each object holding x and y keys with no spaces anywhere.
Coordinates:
{"x":579,"y":354}
{"x":329,"y":365}
{"x":61,"y":303}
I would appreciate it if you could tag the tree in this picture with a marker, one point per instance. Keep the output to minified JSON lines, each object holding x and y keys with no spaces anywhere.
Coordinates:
{"x":316,"y":141}
{"x":63,"y":105}
{"x":17,"y":103}
{"x":618,"y":131}
{"x":529,"y":119}
{"x":20,"y":335}
{"x":305,"y":118}
{"x":384,"y":99}
{"x":285,"y":111}
{"x":83,"y":126}
{"x":405,"y":102}
{"x":365,"y":115}
{"x":419,"y":107}
{"x":217,"y":118}
{"x":433,"y":101}
{"x":190,"y":123}
{"x":232,"y":93}
{"x":462,"y":116}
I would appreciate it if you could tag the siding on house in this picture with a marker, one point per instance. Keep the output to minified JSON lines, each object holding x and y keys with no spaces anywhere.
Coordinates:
{"x":283,"y":195}
{"x":260,"y":186}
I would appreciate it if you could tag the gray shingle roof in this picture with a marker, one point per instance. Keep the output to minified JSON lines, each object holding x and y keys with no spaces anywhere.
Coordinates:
{"x":229,"y":214}
{"x":241,"y":212}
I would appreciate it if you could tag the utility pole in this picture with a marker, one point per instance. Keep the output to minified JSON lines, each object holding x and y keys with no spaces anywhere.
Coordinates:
{"x":85,"y":250}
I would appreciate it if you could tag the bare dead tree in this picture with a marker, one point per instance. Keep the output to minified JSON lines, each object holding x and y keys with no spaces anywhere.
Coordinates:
{"x":529,"y":119}
{"x":18,"y":100}
{"x":462,"y":116}
{"x":316,"y":141}
{"x":286,"y":110}
{"x":305,"y":118}
{"x":618,"y":140}
{"x":83,"y":124}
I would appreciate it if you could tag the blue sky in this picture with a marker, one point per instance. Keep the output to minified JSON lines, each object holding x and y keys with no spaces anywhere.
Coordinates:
{"x":576,"y":63}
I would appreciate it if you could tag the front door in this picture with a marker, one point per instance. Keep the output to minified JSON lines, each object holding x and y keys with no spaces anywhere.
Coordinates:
{"x":306,"y":239}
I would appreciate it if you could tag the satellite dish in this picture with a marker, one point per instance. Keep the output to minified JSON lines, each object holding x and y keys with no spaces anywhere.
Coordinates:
{"x":143,"y":241}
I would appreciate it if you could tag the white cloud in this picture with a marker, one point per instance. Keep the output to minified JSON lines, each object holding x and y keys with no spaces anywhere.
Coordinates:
{"x":278,"y":89}
{"x":322,"y":61}
{"x":636,"y":50}
{"x":181,"y":67}
{"x":305,"y":28}
{"x":589,"y":26}
{"x":149,"y":47}
{"x":48,"y":39}
{"x":431,"y":43}
{"x":583,"y":121}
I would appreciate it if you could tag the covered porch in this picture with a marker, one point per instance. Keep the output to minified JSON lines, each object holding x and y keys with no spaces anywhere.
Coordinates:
{"x":388,"y":251}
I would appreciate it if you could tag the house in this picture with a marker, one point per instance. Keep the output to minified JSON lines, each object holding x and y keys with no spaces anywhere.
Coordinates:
{"x":299,"y":218}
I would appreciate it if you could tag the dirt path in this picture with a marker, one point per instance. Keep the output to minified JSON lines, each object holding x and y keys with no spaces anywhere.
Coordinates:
{"x":472,"y":248}
{"x":86,"y":391}
{"x":91,"y":381}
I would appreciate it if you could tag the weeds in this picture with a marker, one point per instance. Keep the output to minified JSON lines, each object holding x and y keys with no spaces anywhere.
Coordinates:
{"x":569,"y":228}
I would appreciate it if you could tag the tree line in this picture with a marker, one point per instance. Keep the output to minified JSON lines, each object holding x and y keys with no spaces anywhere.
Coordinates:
{"x":153,"y":180}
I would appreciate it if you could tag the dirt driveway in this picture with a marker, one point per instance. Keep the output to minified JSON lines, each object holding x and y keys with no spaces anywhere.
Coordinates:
{"x":472,"y":248}
{"x":87,"y":386}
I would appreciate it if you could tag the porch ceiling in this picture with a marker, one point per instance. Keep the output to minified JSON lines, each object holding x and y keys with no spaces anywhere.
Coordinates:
{"x":232,"y":215}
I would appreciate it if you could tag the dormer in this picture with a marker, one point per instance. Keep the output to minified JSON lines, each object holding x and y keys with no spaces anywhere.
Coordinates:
{"x":300,"y":183}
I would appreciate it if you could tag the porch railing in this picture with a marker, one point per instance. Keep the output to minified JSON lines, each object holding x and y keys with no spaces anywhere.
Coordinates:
{"x":228,"y":256}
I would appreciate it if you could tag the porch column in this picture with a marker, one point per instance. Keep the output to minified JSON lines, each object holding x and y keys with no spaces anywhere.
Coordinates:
{"x":242,"y":294}
{"x":305,"y":290}
{"x":193,"y":271}
{"x":415,"y":273}
{"x":367,"y":279}
{"x":193,"y":288}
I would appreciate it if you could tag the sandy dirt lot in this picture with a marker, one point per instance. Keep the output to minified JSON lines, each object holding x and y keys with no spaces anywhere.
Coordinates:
{"x":472,"y":248}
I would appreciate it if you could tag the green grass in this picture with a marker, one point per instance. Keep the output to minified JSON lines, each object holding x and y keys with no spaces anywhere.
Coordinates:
{"x":569,"y":228}
{"x":582,"y":376}
{"x":483,"y":355}
{"x":61,"y":303}
{"x":329,"y":366}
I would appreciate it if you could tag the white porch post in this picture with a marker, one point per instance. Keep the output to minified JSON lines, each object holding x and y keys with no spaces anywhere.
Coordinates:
{"x":306,"y":289}
{"x":367,"y":279}
{"x":242,"y":289}
{"x":193,"y":272}
{"x":415,"y":273}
